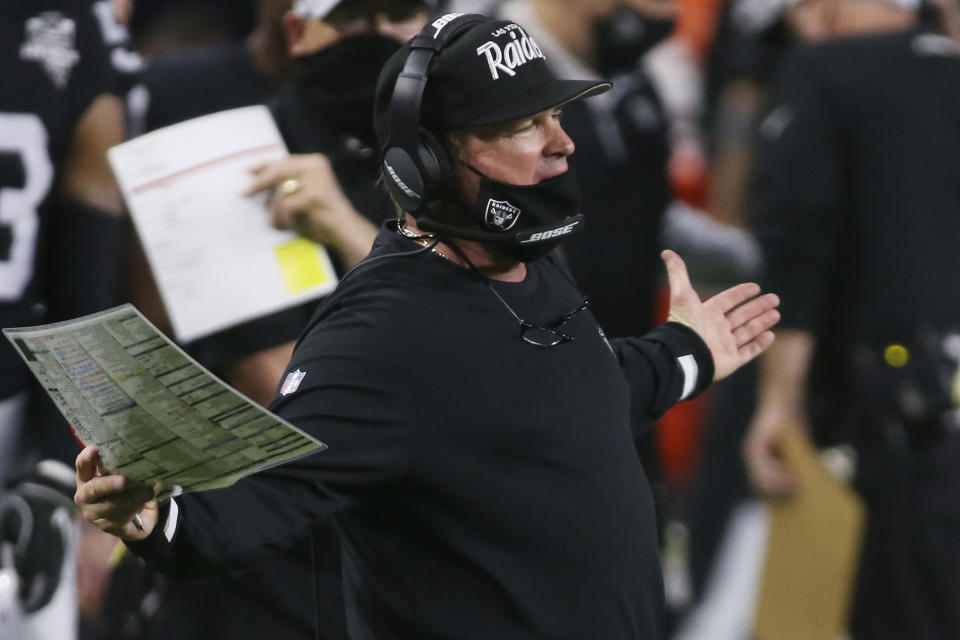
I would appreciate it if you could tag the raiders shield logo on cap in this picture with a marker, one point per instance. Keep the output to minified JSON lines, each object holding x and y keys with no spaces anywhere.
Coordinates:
{"x":501,"y":214}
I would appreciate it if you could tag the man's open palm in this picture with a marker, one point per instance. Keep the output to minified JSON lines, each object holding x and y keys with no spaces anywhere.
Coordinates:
{"x":735,"y":323}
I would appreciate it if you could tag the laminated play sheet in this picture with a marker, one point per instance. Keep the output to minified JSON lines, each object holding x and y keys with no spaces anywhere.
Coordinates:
{"x":155,"y":414}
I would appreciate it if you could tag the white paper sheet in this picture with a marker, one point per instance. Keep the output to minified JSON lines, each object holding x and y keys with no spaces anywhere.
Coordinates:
{"x":155,"y":414}
{"x":216,"y":259}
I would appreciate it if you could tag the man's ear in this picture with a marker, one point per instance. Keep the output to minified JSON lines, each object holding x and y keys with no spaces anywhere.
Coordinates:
{"x":294,"y":28}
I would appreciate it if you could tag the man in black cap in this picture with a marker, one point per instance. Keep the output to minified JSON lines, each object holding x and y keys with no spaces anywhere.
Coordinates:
{"x":481,"y":472}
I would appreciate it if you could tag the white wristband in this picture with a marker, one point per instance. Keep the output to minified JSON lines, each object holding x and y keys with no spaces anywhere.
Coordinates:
{"x":691,"y":372}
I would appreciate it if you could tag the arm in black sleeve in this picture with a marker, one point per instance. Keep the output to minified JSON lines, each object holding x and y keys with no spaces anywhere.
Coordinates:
{"x":227,"y":530}
{"x":669,"y":364}
{"x":799,"y":206}
{"x":348,"y":398}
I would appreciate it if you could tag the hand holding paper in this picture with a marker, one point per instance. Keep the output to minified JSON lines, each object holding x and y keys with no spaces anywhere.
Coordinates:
{"x":217,"y":260}
{"x":111,"y":502}
{"x":307,"y":198}
{"x":155,"y":416}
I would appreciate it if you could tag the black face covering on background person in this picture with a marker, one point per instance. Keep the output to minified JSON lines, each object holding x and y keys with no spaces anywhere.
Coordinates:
{"x":525,"y":221}
{"x":625,"y":35}
{"x":341,"y":80}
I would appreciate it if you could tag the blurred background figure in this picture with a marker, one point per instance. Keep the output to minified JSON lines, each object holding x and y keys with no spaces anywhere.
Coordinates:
{"x":164,"y":26}
{"x":859,"y":190}
{"x":57,"y":118}
{"x":725,"y":527}
{"x":817,"y":179}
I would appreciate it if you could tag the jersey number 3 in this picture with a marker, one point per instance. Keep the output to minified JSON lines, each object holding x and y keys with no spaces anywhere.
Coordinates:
{"x":26,"y":175}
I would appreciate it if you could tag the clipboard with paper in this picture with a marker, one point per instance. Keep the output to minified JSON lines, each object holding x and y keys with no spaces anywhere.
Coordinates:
{"x":216,"y":259}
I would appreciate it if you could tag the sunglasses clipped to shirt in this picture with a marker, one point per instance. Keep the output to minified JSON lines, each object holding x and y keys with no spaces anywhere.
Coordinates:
{"x":537,"y":334}
{"x":534,"y":334}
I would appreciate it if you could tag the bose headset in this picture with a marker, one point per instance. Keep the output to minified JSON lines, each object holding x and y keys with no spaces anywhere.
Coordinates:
{"x":419,"y":172}
{"x":417,"y":167}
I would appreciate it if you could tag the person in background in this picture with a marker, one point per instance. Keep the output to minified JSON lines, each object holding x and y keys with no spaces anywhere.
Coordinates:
{"x":856,"y":215}
{"x":751,"y":43}
{"x":57,"y":118}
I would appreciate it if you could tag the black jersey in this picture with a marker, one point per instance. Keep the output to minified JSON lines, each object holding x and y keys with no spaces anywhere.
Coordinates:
{"x":482,"y":487}
{"x":52,"y":66}
{"x":126,"y":64}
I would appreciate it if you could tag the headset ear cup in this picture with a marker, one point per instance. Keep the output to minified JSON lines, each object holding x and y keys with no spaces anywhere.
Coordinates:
{"x":437,"y":167}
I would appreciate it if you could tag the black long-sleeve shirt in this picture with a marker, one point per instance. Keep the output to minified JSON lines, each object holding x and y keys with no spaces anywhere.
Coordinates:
{"x":859,"y":187}
{"x":481,"y":487}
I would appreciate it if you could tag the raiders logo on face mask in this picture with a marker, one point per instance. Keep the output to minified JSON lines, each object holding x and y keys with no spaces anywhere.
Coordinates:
{"x":501,"y":215}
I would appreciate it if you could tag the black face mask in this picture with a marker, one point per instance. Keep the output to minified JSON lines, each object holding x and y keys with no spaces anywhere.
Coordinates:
{"x":525,"y":222}
{"x":340,"y":80}
{"x":625,"y":35}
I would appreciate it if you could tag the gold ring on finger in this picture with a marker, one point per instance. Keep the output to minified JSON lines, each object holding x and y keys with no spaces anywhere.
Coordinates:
{"x":290,"y":186}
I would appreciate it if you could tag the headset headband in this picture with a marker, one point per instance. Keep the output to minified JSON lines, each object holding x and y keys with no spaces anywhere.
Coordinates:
{"x":414,"y":163}
{"x":412,"y":81}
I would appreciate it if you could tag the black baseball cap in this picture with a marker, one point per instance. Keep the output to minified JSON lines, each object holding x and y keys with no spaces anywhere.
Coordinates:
{"x":493,"y":72}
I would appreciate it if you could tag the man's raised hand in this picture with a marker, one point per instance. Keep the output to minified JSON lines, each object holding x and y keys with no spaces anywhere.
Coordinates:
{"x":735,"y":324}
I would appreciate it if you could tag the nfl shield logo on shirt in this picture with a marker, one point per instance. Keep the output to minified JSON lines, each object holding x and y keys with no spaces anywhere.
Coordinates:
{"x":292,"y":383}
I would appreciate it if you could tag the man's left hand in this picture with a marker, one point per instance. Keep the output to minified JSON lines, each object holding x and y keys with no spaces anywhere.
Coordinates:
{"x":308,"y":199}
{"x":735,"y":323}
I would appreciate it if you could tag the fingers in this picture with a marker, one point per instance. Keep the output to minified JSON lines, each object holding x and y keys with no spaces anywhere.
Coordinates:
{"x":750,"y":350}
{"x":734,"y":296}
{"x":747,"y":332}
{"x":87,"y":464}
{"x":751,"y":322}
{"x":769,"y":474}
{"x":677,"y":275}
{"x":266,"y":176}
{"x":270,"y":174}
{"x":756,"y":346}
{"x":97,"y":489}
{"x":771,"y":477}
{"x":301,"y":167}
{"x":109,"y":503}
{"x":289,"y":210}
{"x":745,"y":312}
